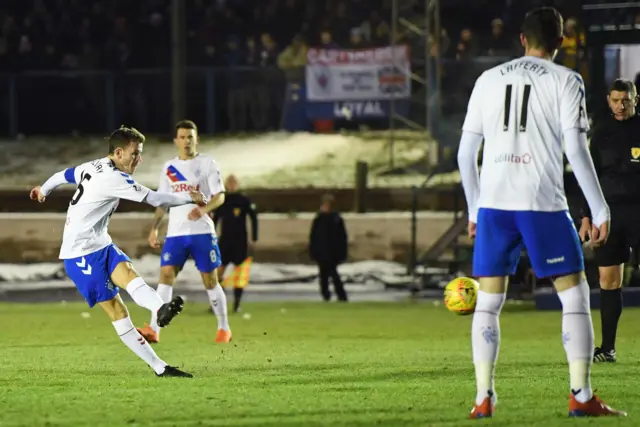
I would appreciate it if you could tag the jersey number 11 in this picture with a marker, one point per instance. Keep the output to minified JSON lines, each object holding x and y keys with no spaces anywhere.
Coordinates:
{"x":523,"y":109}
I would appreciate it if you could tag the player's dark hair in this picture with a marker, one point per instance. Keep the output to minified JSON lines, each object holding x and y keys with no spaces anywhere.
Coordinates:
{"x":122,"y":137}
{"x":622,"y":85}
{"x":542,"y":28}
{"x":186,"y":124}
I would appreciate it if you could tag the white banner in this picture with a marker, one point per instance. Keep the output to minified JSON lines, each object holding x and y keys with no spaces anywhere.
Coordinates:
{"x":358,"y":75}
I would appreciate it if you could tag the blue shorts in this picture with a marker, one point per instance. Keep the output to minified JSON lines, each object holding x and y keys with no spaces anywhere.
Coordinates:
{"x":550,"y":238}
{"x":92,"y":273}
{"x":203,"y":248}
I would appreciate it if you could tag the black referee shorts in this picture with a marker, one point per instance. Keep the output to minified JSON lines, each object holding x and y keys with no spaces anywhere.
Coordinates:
{"x":624,"y":235}
{"x":233,"y":253}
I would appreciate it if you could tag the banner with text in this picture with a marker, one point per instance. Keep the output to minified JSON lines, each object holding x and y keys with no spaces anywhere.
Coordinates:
{"x":376,"y":74}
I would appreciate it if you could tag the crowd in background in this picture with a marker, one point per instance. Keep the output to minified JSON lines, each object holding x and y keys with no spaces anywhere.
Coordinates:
{"x":269,"y":39}
{"x":117,"y":34}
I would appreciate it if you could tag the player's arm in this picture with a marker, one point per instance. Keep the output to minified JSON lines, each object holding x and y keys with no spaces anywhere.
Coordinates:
{"x":122,"y":186}
{"x":253,"y":214}
{"x":470,"y":142}
{"x":163,"y":187}
{"x":216,"y":187}
{"x":585,"y":212}
{"x":468,"y":164}
{"x":573,"y":117}
{"x":67,"y":176}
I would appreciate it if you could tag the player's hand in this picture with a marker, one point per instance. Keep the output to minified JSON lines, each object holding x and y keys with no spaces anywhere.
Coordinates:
{"x":154,"y":241}
{"x":600,"y":234}
{"x":585,"y":230}
{"x":198,"y":198}
{"x":196,"y":213}
{"x":471,"y":230}
{"x":36,"y":194}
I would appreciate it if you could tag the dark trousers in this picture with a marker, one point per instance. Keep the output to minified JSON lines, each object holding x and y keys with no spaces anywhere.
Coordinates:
{"x":330,"y":271}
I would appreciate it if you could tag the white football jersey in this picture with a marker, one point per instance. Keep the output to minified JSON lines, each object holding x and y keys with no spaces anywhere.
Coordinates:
{"x":100,"y":186}
{"x":522,"y":108}
{"x":181,"y":176}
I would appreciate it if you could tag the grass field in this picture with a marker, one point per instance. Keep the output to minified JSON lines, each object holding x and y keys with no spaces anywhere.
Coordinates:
{"x":296,"y":364}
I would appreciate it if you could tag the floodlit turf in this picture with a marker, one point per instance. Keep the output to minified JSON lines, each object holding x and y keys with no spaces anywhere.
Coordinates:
{"x":295,"y":364}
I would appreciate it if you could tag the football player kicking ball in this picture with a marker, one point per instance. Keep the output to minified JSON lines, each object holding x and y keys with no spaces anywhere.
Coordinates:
{"x":191,"y":232}
{"x":522,"y":109}
{"x":96,"y":265}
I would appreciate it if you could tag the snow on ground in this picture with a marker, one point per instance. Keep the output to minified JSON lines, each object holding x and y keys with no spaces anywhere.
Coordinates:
{"x":372,"y":275}
{"x":274,"y":160}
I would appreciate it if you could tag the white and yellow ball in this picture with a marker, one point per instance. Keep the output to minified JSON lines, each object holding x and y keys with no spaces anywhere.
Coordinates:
{"x":460,"y":295}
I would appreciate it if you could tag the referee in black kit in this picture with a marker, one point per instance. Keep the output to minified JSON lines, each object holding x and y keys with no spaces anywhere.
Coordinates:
{"x":615,"y":149}
{"x":234,"y":239}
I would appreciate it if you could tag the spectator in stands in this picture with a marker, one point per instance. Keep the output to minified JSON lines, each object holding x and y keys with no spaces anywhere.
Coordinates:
{"x":467,"y":47}
{"x":326,"y":40}
{"x":375,"y":30}
{"x":252,"y":54}
{"x":293,"y":59}
{"x":355,"y":40}
{"x":268,"y":50}
{"x":572,"y":49}
{"x":499,"y":43}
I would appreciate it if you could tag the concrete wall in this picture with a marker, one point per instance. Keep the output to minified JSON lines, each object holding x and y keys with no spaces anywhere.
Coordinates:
{"x":35,"y":237}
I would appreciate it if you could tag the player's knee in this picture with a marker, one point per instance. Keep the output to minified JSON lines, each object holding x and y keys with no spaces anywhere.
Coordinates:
{"x":562,"y":283}
{"x":168,"y":275}
{"x":123,"y":274}
{"x":115,"y":308}
{"x":610,"y":277}
{"x":575,"y":299}
{"x":493,"y":285}
{"x":210,"y":279}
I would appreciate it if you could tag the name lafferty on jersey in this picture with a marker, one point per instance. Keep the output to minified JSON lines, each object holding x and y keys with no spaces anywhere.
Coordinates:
{"x":522,"y":108}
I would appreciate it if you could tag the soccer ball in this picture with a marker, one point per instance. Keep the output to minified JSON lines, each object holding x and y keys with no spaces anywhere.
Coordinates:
{"x":460,"y":295}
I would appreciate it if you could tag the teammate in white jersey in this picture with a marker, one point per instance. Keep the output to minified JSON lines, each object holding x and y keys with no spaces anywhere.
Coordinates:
{"x":523,"y":109}
{"x":191,"y":232}
{"x":96,"y":265}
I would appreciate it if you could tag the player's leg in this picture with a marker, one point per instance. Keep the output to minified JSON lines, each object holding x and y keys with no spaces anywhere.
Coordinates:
{"x":91,"y":274}
{"x":555,"y":251}
{"x":206,"y":254}
{"x":610,"y":259}
{"x":119,"y":316}
{"x":496,"y":254}
{"x":123,"y":275}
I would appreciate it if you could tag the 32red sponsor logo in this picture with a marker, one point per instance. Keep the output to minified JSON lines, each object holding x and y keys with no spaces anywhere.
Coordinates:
{"x":182,"y":187}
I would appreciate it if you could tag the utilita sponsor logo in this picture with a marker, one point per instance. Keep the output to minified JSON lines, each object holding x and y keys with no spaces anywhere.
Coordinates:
{"x":525,"y":159}
{"x":184,"y":187}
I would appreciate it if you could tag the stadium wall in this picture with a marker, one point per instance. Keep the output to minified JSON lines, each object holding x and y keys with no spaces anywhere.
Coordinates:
{"x":35,"y":237}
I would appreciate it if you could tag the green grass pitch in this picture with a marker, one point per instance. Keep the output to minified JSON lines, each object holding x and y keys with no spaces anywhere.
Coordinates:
{"x":296,"y":364}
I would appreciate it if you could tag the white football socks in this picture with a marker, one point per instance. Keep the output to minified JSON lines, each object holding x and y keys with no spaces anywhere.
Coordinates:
{"x":578,"y":339}
{"x":485,"y":341}
{"x":132,"y":339}
{"x":165,"y":292}
{"x":144,"y":295}
{"x":218,"y":301}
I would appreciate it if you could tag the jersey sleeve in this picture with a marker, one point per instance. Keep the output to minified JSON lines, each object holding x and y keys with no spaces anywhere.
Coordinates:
{"x":473,"y":119}
{"x":573,"y":107}
{"x":74,"y":175}
{"x":120,"y":185}
{"x":214,"y":179}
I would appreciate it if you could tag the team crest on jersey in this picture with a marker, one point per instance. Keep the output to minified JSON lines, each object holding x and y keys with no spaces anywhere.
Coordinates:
{"x":237,"y":211}
{"x":635,"y":154}
{"x":174,"y":174}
